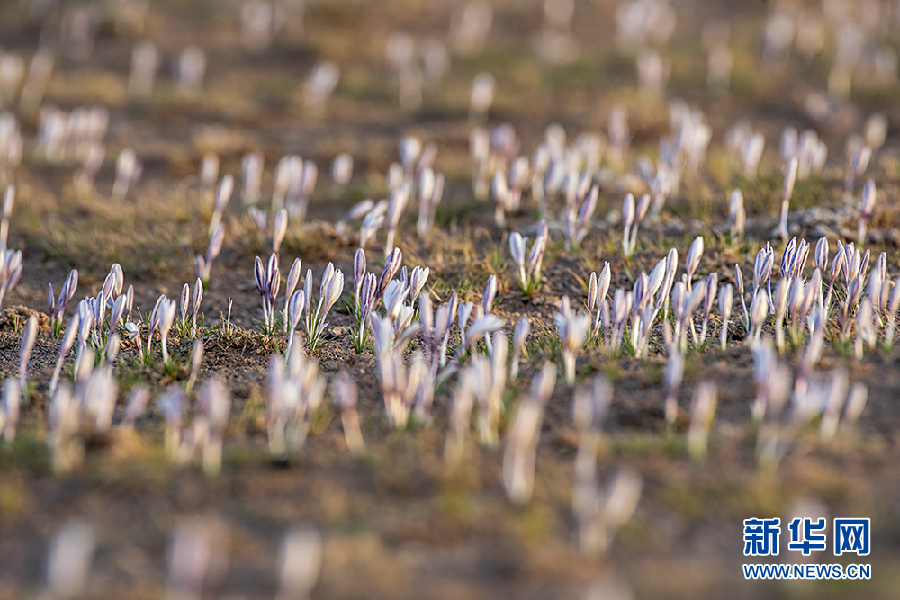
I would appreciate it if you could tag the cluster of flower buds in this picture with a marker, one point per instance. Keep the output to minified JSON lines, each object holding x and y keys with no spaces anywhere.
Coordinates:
{"x":866,"y":208}
{"x":577,"y":216}
{"x":69,"y":560}
{"x":413,"y":67}
{"x":10,"y":146}
{"x":703,"y":411}
{"x":396,"y":206}
{"x":144,"y":63}
{"x":469,"y":334}
{"x":589,"y":409}
{"x":223,"y":193}
{"x":461,"y":414}
{"x":430,"y":190}
{"x":203,"y":264}
{"x":488,"y":378}
{"x":404,"y":387}
{"x":162,"y":317}
{"x":10,"y":271}
{"x":128,"y":172}
{"x":523,"y":328}
{"x":597,"y":515}
{"x":573,"y":329}
{"x":9,"y":409}
{"x":320,"y":84}
{"x":736,"y":215}
{"x":342,"y":169}
{"x":62,"y":135}
{"x":684,"y":302}
{"x":57,"y":305}
{"x":790,"y":178}
{"x":296,"y":390}
{"x":66,"y":447}
{"x":631,"y":220}
{"x":190,"y":69}
{"x":600,"y":513}
{"x":299,"y":561}
{"x":343,"y":388}
{"x":197,"y":557}
{"x":484,"y":86}
{"x":252,"y":166}
{"x":858,"y":156}
{"x":29,"y":335}
{"x":330,"y":289}
{"x":521,"y":443}
{"x":207,"y":430}
{"x":260,"y":22}
{"x":529,"y":271}
{"x":435,"y":327}
{"x":268,"y":281}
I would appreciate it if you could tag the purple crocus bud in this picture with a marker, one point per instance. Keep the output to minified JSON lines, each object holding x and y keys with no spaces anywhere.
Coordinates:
{"x":199,"y":266}
{"x":29,"y":335}
{"x":863,"y":263}
{"x":759,"y":310}
{"x":71,"y":285}
{"x":324,"y":286}
{"x":129,"y":301}
{"x":198,"y":298}
{"x":838,"y":264}
{"x":51,"y":300}
{"x":272,"y":277}
{"x":490,"y":293}
{"x":119,"y":279}
{"x":215,"y":244}
{"x":711,"y":285}
{"x":342,"y":169}
{"x":523,"y":327}
{"x":695,"y":252}
{"x":726,"y":301}
{"x":788,"y":257}
{"x":628,"y":213}
{"x":391,"y":266}
{"x":536,"y":258}
{"x":259,"y":273}
{"x":367,"y":295}
{"x":417,"y":281}
{"x":799,"y":260}
{"x":69,"y":561}
{"x":359,"y":270}
{"x":307,"y":292}
{"x":108,"y":285}
{"x":280,"y":228}
{"x":821,"y":254}
{"x":656,"y":276}
{"x":293,"y":277}
{"x":295,"y":309}
{"x":299,"y":561}
{"x":867,"y":201}
{"x":790,"y":178}
{"x":603,"y":283}
{"x":223,"y":194}
{"x":592,"y":292}
{"x":136,"y":404}
{"x":185,"y":295}
{"x":117,"y":311}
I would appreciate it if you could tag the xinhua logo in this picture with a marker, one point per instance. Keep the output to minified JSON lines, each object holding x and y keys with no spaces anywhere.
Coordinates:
{"x":851,"y":536}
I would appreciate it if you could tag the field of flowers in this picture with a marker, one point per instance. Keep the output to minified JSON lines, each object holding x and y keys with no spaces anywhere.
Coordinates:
{"x":406,"y":299}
